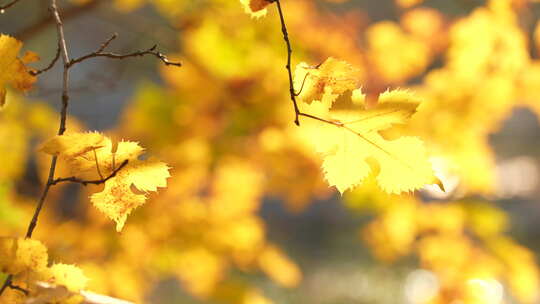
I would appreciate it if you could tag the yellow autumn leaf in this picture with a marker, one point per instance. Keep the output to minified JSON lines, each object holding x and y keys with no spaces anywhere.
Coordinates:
{"x":72,"y":145}
{"x":117,"y":201}
{"x":93,"y":154}
{"x":325,"y":82}
{"x":19,"y":255}
{"x":12,"y":69}
{"x":350,"y":141}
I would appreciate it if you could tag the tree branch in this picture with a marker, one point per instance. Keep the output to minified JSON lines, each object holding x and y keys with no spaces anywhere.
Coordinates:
{"x":74,"y":179}
{"x":10,"y":4}
{"x":292,"y":91}
{"x":288,"y":66}
{"x":15,"y":287}
{"x":62,"y":51}
{"x":99,"y":53}
{"x":6,"y":284}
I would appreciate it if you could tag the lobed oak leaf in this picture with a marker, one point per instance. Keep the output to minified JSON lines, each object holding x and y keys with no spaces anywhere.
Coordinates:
{"x":117,"y":199}
{"x":13,"y":70}
{"x":94,"y":153}
{"x":147,"y":175}
{"x":350,"y":142}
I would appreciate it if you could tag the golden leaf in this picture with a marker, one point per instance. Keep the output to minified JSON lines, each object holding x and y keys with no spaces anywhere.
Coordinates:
{"x":94,"y":153}
{"x":348,"y":139}
{"x":71,"y":145}
{"x":326,"y":81}
{"x":19,"y":255}
{"x":69,"y":276}
{"x":12,"y":69}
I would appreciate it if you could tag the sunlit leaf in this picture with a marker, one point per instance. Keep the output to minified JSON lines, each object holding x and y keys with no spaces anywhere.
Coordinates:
{"x":12,"y":69}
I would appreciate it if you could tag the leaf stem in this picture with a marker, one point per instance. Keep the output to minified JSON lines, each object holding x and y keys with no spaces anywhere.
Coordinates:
{"x":74,"y":179}
{"x":288,"y":66}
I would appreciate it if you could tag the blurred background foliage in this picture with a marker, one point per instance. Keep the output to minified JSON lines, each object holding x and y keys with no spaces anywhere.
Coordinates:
{"x":247,"y":216}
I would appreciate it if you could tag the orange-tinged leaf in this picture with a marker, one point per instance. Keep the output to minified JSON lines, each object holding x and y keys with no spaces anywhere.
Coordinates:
{"x":12,"y":69}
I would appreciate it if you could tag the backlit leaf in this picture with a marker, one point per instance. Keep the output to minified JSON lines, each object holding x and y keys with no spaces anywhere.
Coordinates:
{"x":348,"y":139}
{"x":94,"y":154}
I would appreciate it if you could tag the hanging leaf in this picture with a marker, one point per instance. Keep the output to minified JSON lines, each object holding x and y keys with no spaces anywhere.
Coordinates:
{"x":94,"y":153}
{"x":13,"y":70}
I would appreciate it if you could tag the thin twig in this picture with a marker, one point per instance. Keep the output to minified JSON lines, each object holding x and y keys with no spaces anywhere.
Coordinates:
{"x":301,"y":87}
{"x":6,"y":6}
{"x":105,"y":44}
{"x":151,"y":51}
{"x":288,"y":66}
{"x":50,"y":66}
{"x":6,"y":284}
{"x":15,"y":287}
{"x":97,"y":164}
{"x":63,"y":114}
{"x":74,"y":179}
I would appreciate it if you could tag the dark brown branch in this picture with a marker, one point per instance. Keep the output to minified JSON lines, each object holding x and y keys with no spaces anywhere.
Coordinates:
{"x":10,"y":4}
{"x":15,"y":287}
{"x":63,"y":114}
{"x":288,"y":66}
{"x":74,"y":179}
{"x":105,"y":44}
{"x":292,"y":91}
{"x":99,"y":53}
{"x":296,"y":94}
{"x":6,"y":284}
